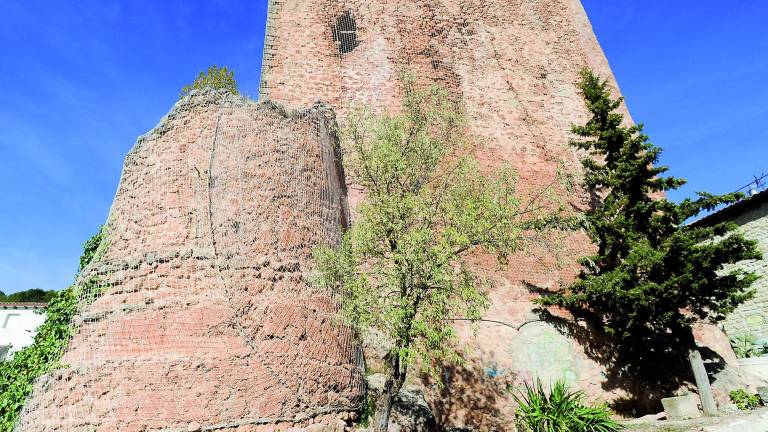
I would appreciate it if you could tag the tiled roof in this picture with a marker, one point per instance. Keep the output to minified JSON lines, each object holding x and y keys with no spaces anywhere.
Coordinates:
{"x":23,"y":305}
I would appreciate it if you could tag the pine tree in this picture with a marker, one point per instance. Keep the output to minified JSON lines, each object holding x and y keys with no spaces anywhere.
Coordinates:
{"x":653,"y":275}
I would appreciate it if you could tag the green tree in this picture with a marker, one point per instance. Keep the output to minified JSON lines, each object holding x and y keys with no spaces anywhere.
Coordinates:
{"x":34,"y":295}
{"x":215,"y":77}
{"x":402,"y":267}
{"x":653,"y":275}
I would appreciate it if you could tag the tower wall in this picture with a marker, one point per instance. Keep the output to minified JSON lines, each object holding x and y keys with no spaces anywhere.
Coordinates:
{"x":204,"y":316}
{"x":514,"y":65}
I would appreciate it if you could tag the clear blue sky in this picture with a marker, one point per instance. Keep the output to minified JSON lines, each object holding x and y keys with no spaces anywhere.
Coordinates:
{"x":81,"y":80}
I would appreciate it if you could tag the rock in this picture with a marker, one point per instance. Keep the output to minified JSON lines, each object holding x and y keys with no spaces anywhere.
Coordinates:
{"x":376,"y":382}
{"x":412,"y":412}
{"x":729,"y":409}
{"x":338,"y":426}
{"x":725,"y":377}
{"x":763,"y":392}
{"x":650,"y":417}
{"x":262,"y":261}
{"x":326,"y":425}
{"x":318,"y":428}
{"x":681,"y":407}
{"x":268,"y":274}
{"x":289,"y":266}
{"x":194,"y":427}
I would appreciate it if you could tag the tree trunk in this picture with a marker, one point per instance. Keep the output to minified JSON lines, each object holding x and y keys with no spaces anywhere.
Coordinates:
{"x":702,"y":383}
{"x":392,"y":386}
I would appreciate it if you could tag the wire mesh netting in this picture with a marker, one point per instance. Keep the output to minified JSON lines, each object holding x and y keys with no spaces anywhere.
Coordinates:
{"x":203,"y":311}
{"x":203,"y":314}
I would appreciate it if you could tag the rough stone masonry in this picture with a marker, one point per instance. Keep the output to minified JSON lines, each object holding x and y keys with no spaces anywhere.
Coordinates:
{"x":751,"y":217}
{"x":206,"y":320}
{"x":513,"y":65}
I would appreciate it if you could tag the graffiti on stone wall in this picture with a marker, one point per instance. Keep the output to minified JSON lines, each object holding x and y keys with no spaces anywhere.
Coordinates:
{"x":538,"y":351}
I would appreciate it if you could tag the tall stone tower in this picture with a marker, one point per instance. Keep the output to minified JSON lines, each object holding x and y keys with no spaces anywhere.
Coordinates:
{"x":514,"y":65}
{"x":203,"y":317}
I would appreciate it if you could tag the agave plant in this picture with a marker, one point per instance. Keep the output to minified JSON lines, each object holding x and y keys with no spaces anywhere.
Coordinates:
{"x":560,"y":410}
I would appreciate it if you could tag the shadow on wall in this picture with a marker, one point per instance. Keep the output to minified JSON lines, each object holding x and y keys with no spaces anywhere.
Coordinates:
{"x":467,"y":396}
{"x":665,"y":372}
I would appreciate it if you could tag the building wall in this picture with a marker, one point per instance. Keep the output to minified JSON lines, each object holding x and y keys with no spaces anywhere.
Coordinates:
{"x":513,"y":65}
{"x":18,"y":327}
{"x":751,"y":318}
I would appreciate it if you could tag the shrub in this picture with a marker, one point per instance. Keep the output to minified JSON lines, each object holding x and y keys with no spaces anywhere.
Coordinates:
{"x":560,"y":410}
{"x":216,"y":78}
{"x":91,"y":248}
{"x":746,"y":346}
{"x":743,"y":400}
{"x":367,"y":412}
{"x":19,"y":373}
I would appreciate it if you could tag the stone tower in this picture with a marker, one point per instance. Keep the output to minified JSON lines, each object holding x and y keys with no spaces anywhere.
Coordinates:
{"x":204,"y":318}
{"x":514,"y":65}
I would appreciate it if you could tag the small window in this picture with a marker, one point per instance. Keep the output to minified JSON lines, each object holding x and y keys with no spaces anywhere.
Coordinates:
{"x":345,"y":33}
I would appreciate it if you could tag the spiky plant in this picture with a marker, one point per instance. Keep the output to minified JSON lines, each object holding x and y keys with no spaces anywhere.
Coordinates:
{"x":560,"y":410}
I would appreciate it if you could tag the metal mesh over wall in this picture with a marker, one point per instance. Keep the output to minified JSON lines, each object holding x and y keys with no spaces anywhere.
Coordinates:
{"x":204,"y":315}
{"x":513,"y":66}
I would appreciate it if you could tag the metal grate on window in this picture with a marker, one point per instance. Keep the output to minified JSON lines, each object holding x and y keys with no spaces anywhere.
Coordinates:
{"x":345,"y":33}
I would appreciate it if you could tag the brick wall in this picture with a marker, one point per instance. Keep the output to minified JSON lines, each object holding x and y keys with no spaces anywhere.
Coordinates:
{"x":206,"y":316}
{"x":514,"y":67}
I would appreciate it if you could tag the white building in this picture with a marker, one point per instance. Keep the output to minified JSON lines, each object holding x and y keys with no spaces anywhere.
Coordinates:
{"x":18,"y":326}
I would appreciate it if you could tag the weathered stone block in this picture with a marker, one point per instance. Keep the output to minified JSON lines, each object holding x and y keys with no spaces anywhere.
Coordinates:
{"x":681,"y":407}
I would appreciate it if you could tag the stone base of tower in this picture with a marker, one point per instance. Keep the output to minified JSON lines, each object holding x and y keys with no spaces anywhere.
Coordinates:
{"x":205,"y":319}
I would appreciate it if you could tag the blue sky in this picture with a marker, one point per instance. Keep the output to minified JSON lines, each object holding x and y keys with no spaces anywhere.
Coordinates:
{"x":81,"y":80}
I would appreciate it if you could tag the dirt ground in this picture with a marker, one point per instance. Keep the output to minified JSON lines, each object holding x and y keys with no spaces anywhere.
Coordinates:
{"x":745,"y":421}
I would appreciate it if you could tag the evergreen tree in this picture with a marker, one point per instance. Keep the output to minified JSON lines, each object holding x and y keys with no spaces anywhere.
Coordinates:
{"x":653,"y":275}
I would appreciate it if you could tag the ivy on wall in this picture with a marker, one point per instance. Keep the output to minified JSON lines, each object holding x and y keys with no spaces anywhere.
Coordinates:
{"x":19,"y":373}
